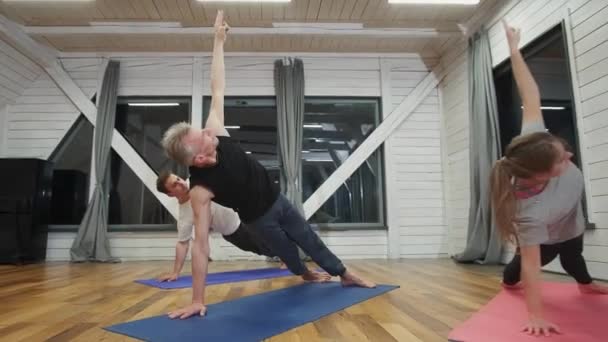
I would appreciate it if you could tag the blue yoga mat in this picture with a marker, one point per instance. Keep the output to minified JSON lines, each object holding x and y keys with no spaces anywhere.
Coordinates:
{"x":253,"y":318}
{"x":220,"y":278}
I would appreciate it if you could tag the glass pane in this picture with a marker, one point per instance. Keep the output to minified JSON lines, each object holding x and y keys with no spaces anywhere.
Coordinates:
{"x":71,"y":174}
{"x":252,"y":122}
{"x":131,"y":202}
{"x":143,"y":121}
{"x":548,"y":62}
{"x":333,"y":130}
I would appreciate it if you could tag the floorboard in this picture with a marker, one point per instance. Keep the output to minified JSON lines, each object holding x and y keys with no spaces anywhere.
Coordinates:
{"x":72,"y":302}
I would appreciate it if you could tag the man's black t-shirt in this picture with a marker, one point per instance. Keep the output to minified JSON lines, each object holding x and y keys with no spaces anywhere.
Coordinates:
{"x":237,"y":181}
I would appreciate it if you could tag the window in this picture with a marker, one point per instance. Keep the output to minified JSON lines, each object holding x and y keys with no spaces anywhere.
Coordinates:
{"x":131,"y":203}
{"x":71,"y":173}
{"x":252,"y":122}
{"x":547,"y":59}
{"x":333,"y":130}
{"x":548,"y":62}
{"x":142,"y":121}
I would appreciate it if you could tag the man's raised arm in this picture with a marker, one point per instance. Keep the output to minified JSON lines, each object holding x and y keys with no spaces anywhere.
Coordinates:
{"x":218,"y":77}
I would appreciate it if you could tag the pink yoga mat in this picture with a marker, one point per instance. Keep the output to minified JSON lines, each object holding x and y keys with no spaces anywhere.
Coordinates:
{"x":581,"y":317}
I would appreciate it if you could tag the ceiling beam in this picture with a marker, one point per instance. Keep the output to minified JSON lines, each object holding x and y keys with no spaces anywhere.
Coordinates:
{"x":141,"y":54}
{"x":242,"y":31}
{"x":15,"y":36}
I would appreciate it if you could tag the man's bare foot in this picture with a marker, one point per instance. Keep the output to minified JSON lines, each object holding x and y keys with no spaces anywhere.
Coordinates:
{"x":350,"y":279}
{"x":316,"y":277}
{"x":593,"y":288}
{"x":516,"y":286}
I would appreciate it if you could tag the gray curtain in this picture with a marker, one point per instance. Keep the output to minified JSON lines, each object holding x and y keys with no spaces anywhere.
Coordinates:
{"x":483,"y":243}
{"x":91,"y":243}
{"x":289,"y":89}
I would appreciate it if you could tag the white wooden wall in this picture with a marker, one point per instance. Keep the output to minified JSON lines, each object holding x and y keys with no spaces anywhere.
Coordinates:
{"x":155,"y":76}
{"x":43,"y":114}
{"x":415,"y":166}
{"x":130,"y":246}
{"x":16,"y":73}
{"x":589,"y":32}
{"x":244,"y":76}
{"x":340,"y":77}
{"x":455,"y":115}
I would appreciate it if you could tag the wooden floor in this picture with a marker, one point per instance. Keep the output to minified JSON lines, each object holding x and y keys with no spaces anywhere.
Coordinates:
{"x":72,"y":302}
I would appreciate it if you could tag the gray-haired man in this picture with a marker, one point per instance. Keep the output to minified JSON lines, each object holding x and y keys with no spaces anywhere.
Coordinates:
{"x":222,"y":172}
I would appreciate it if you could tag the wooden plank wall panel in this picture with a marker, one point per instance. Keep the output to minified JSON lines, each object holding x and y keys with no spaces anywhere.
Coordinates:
{"x":42,"y":115}
{"x":17,"y":73}
{"x":417,"y":171}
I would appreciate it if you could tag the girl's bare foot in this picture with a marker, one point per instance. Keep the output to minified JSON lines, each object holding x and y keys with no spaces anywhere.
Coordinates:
{"x":593,"y":288}
{"x":350,"y":279}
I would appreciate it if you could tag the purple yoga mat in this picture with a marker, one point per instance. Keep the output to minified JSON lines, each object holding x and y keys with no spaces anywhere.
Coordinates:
{"x":219,"y":278}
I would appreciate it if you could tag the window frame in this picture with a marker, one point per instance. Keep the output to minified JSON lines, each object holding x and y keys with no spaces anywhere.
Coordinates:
{"x":205,"y":99}
{"x":147,"y":99}
{"x":121,"y":100}
{"x":58,"y":151}
{"x":559,"y":31}
{"x":381,"y":171}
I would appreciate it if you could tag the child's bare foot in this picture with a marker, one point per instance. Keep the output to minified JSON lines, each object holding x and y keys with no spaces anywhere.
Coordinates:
{"x":593,"y":288}
{"x":316,"y":277}
{"x":282,"y":265}
{"x":516,"y":286}
{"x":350,"y":279}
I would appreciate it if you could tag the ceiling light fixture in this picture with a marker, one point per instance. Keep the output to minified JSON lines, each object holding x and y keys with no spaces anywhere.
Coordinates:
{"x":153,"y":104}
{"x":174,"y":24}
{"x":549,"y":107}
{"x":244,"y":0}
{"x":342,"y":26}
{"x":48,"y":0}
{"x":313,"y":126}
{"x":319,"y":160}
{"x":435,"y":2}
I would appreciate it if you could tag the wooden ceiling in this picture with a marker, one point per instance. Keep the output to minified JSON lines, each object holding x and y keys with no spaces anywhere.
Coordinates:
{"x":192,"y":13}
